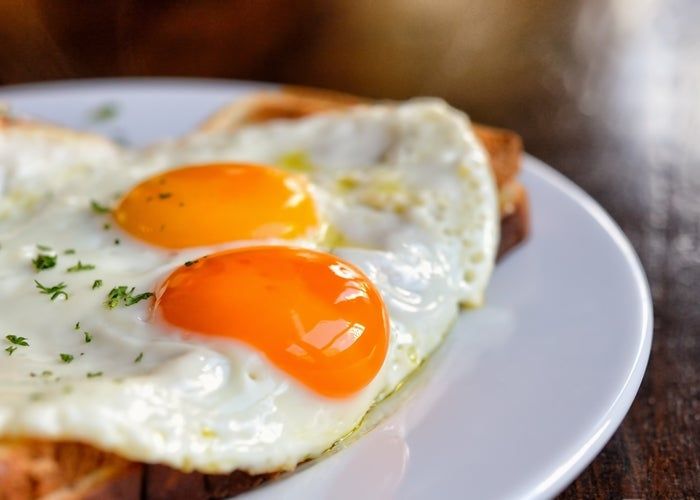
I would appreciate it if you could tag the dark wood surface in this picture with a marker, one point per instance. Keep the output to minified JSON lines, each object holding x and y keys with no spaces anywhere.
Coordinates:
{"x":608,"y":92}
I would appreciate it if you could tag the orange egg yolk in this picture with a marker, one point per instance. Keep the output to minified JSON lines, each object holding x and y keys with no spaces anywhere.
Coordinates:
{"x":314,"y":316}
{"x":209,"y":204}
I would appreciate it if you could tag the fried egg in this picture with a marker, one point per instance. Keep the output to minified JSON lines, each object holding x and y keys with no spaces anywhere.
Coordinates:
{"x":236,"y":300}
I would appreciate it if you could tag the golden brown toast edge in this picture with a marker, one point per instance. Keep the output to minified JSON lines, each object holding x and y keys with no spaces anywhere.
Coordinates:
{"x":71,"y":471}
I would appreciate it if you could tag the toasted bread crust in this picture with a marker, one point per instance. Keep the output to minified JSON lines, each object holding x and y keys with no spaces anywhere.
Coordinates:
{"x":70,"y":471}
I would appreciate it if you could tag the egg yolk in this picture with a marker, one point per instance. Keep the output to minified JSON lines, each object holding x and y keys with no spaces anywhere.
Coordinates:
{"x":314,"y":316}
{"x":208,"y":204}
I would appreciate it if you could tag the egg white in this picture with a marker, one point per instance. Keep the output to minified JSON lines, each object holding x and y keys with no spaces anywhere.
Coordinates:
{"x":404,"y":190}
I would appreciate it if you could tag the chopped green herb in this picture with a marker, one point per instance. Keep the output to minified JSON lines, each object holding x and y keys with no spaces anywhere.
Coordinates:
{"x":66,"y":358}
{"x":14,"y":339}
{"x":80,"y":267}
{"x":69,"y":251}
{"x":104,"y":112}
{"x":116,"y":241}
{"x":94,"y":374}
{"x":43,"y":248}
{"x":10,"y":350}
{"x":138,"y":358}
{"x":164,"y":196}
{"x":55,"y":291}
{"x":46,"y":373}
{"x":97,"y":208}
{"x":44,"y":261}
{"x":88,"y":337}
{"x":97,"y":284}
{"x":122,"y":294}
{"x":77,"y":325}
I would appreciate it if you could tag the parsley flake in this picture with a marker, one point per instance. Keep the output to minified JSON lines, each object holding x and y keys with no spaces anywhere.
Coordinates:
{"x":69,"y":251}
{"x":66,"y":358}
{"x":80,"y":267}
{"x":97,"y":284}
{"x":138,"y":358}
{"x":77,"y":325}
{"x":98,"y":208}
{"x":14,"y":339}
{"x":43,"y":248}
{"x":10,"y":350}
{"x":122,"y":295}
{"x":104,"y":112}
{"x":44,"y":261}
{"x":55,"y":291}
{"x":94,"y":374}
{"x":88,"y":337}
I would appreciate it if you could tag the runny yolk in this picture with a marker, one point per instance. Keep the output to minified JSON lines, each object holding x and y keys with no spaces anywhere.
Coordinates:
{"x":314,"y":316}
{"x":208,"y":204}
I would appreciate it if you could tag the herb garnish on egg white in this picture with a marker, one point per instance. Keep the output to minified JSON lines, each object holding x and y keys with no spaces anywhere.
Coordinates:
{"x":55,"y":291}
{"x":122,"y":294}
{"x":15,"y":341}
{"x":99,"y":208}
{"x":80,"y":267}
{"x":66,"y":358}
{"x":88,"y":337}
{"x":96,"y":284}
{"x":138,"y":358}
{"x":44,"y":261}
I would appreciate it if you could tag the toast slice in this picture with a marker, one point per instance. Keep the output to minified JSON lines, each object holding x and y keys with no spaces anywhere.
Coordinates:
{"x":54,"y":470}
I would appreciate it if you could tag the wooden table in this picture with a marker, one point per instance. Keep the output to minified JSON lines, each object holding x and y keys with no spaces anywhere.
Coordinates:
{"x":608,"y":92}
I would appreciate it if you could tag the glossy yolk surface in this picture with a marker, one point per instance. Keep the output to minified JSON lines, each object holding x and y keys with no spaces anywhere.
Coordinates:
{"x":209,"y":204}
{"x":314,"y":316}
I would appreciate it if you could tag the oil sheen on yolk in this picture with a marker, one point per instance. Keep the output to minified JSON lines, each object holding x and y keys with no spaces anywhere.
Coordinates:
{"x":209,"y":204}
{"x":314,"y":316}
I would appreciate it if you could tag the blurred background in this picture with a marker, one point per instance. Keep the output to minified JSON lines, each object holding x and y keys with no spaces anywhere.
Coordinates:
{"x":606,"y":91}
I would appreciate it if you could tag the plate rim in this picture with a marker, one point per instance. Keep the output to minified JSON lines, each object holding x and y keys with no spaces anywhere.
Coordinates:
{"x":618,"y":409}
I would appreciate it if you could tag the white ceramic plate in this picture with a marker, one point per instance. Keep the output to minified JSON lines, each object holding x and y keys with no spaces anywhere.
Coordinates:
{"x":524,"y":393}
